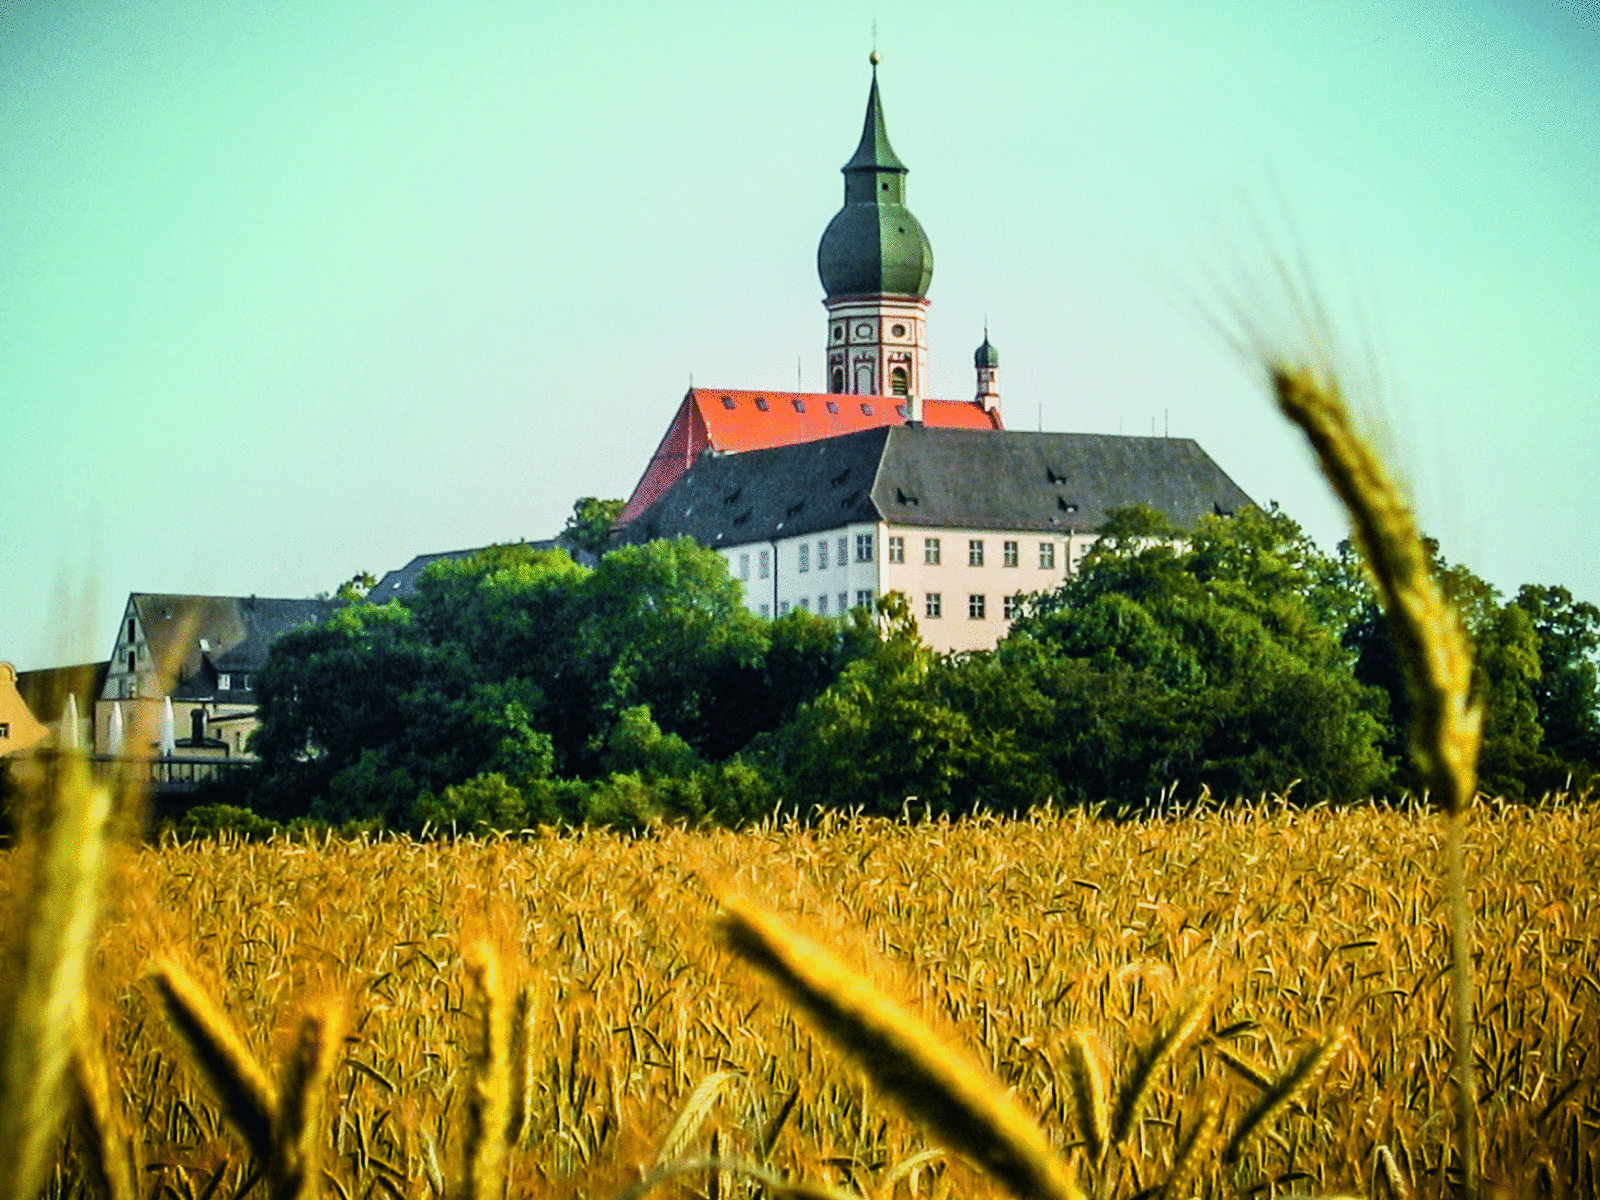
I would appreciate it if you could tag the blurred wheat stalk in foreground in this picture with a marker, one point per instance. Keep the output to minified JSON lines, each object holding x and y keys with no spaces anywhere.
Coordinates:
{"x":1447,"y":723}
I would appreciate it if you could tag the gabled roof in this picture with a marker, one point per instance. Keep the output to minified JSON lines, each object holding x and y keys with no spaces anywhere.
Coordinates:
{"x":949,"y":478}
{"x":724,"y":421}
{"x":182,"y":631}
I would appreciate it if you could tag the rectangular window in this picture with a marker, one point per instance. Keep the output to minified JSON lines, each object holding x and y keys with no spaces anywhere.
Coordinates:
{"x":5,"y":729}
{"x":744,"y":567}
{"x":822,"y":555}
{"x":764,"y":564}
{"x":766,"y":610}
{"x":975,"y":552}
{"x":1047,"y":556}
{"x":1012,"y":608}
{"x":822,"y":605}
{"x":805,"y":557}
{"x":897,"y":549}
{"x":783,"y":608}
{"x":975,"y":607}
{"x":933,"y":605}
{"x":844,"y":551}
{"x":130,"y":629}
{"x":1008,"y":553}
{"x":844,"y":603}
{"x":133,"y":661}
{"x":225,"y":682}
{"x":864,"y":598}
{"x":804,"y":602}
{"x":930,"y":551}
{"x":863,"y":547}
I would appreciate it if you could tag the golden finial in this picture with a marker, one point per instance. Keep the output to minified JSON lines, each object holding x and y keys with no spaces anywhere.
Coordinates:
{"x":874,"y":58}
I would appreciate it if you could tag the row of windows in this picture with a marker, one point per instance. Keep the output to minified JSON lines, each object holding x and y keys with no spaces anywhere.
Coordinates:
{"x":977,"y":606}
{"x":803,"y":556}
{"x":863,"y":599}
{"x":932,"y":554}
{"x":1010,"y":553}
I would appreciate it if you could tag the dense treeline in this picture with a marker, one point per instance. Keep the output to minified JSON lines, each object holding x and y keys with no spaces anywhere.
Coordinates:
{"x":518,"y":687}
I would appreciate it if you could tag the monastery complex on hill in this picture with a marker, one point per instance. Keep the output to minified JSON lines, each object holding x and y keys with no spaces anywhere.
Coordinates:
{"x":820,"y":501}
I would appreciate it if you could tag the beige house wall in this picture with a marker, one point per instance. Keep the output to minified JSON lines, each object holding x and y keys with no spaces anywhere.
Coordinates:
{"x":20,"y":730}
{"x":141,"y":725}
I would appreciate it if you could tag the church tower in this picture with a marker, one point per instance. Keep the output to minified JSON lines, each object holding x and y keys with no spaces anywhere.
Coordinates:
{"x":875,"y":263}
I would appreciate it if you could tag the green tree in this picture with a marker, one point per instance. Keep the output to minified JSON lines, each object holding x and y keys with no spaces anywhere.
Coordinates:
{"x":590,"y":525}
{"x":1567,"y":694}
{"x":1211,"y":660}
{"x":520,"y":664}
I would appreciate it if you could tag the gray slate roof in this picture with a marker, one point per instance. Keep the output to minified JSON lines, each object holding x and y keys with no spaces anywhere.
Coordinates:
{"x":957,"y":478}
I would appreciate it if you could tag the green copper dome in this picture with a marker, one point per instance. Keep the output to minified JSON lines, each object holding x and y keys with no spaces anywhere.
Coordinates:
{"x":874,"y":244}
{"x":986,"y":355}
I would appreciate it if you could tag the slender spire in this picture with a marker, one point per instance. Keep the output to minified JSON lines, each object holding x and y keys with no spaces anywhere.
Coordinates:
{"x":874,"y":153}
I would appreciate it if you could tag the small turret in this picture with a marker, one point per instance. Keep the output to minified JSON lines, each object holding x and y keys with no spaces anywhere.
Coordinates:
{"x":987,"y":360}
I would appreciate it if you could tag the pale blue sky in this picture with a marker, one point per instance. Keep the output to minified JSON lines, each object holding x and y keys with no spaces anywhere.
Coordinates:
{"x":290,"y":290}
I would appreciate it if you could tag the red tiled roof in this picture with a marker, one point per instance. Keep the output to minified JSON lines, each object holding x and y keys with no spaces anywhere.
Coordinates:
{"x":732,"y":422}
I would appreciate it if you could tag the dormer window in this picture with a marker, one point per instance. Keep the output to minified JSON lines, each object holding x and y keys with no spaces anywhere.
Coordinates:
{"x":761,"y":403}
{"x":727,"y":402}
{"x":799,"y":405}
{"x":225,"y":682}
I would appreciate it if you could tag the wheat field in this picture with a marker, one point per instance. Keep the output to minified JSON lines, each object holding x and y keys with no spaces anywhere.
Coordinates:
{"x":1217,"y":954}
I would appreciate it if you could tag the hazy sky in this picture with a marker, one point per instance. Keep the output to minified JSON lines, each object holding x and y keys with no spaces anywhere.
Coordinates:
{"x":292,"y":289}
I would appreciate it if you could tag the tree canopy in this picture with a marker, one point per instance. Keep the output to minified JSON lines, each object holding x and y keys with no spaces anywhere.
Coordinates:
{"x":1235,"y":658}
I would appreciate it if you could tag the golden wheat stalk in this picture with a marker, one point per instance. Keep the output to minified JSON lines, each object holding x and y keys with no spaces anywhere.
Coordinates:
{"x":521,"y":1101}
{"x":293,"y":1171}
{"x":1302,"y":1073}
{"x":47,"y":971}
{"x":248,"y":1100}
{"x":964,"y":1105}
{"x":1201,"y":1136}
{"x":693,"y":1114}
{"x":1447,"y":723}
{"x":1176,"y":1032}
{"x":1086,"y":1074}
{"x":108,"y":1155}
{"x":489,"y":1093}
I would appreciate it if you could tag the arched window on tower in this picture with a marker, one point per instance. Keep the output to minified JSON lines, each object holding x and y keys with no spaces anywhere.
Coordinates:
{"x":898,"y":381}
{"x":864,"y":380}
{"x":837,"y":384}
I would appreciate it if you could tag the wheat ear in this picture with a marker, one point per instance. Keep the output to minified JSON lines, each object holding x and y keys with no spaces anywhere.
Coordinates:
{"x":489,"y":1093}
{"x":1086,"y":1074}
{"x":1447,"y":724}
{"x":248,"y":1099}
{"x":964,"y":1105}
{"x":1284,"y":1090}
{"x":1201,"y":1137}
{"x":47,"y":971}
{"x":1176,"y":1032}
{"x":521,"y":1102}
{"x":693,"y":1114}
{"x":292,"y":1173}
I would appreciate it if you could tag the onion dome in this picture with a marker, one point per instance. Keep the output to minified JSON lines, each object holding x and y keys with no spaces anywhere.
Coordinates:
{"x":986,"y":355}
{"x":873,"y":244}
